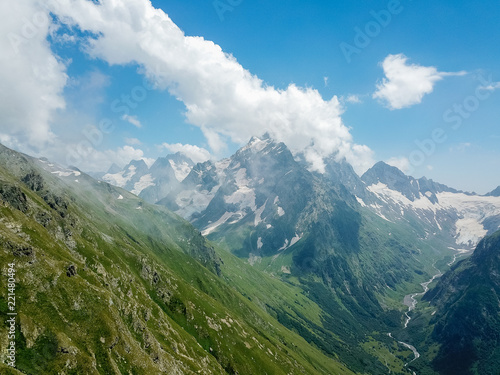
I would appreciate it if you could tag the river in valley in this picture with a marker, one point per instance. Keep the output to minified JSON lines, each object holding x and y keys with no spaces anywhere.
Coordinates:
{"x":410,"y":300}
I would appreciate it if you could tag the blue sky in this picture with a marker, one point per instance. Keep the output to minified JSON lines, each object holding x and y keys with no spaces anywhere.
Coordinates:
{"x":435,"y":66}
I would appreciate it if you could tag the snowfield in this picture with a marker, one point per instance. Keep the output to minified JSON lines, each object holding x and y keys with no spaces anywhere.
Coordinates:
{"x":471,"y":210}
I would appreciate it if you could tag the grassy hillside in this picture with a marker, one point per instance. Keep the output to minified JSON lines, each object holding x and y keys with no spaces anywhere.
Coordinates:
{"x":107,"y":284}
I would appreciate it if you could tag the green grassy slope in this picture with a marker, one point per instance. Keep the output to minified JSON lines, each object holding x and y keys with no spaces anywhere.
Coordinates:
{"x":116,"y":286}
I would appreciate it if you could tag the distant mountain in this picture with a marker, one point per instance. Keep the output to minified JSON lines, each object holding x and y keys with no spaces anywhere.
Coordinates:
{"x":165,"y":175}
{"x":151,"y":184}
{"x":494,"y":193}
{"x":133,"y":177}
{"x":467,"y":318}
{"x":454,"y":217}
{"x":396,"y":180}
{"x":429,"y":208}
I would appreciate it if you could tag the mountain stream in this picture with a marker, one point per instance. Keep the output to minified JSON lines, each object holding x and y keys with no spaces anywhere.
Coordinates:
{"x":410,"y":301}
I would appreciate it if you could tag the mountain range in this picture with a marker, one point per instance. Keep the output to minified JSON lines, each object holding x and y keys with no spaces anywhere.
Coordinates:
{"x":218,"y":195}
{"x":254,"y":264}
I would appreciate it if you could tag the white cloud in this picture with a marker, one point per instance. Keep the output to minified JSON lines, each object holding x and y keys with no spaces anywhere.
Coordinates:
{"x":97,"y":160}
{"x":353,"y":99}
{"x":402,"y":163}
{"x":492,"y":87}
{"x":132,"y":141}
{"x":32,"y":78}
{"x":221,"y":97}
{"x":195,"y":153}
{"x":406,"y":84}
{"x":133,"y":120}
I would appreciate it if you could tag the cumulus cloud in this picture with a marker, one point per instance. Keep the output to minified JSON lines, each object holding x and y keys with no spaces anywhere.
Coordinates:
{"x":195,"y":153}
{"x":101,"y":160}
{"x":133,"y":120}
{"x":32,"y":79}
{"x":406,"y":84}
{"x":221,"y":97}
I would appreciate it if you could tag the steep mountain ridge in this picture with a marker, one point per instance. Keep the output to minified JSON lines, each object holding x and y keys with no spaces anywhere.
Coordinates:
{"x":465,"y":323}
{"x":106,"y":283}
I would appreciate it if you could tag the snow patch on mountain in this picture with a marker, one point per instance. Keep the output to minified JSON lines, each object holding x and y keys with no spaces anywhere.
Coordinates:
{"x":121,"y":178}
{"x":295,"y":239}
{"x":285,"y":245}
{"x":258,"y":214}
{"x":143,"y":183}
{"x":387,"y":195}
{"x":471,"y":210}
{"x":221,"y":166}
{"x":360,"y":201}
{"x":194,"y":201}
{"x":377,"y":209}
{"x":257,"y":144}
{"x":469,"y":231}
{"x":259,"y":243}
{"x":66,"y":173}
{"x":219,"y":222}
{"x":181,"y":170}
{"x":245,"y":196}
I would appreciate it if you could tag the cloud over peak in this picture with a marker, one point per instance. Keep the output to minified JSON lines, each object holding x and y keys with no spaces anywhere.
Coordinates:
{"x":222,"y":98}
{"x":195,"y":153}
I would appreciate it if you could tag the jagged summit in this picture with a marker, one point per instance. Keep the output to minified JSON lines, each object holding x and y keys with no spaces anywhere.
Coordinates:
{"x":263,"y":144}
{"x":410,"y":187}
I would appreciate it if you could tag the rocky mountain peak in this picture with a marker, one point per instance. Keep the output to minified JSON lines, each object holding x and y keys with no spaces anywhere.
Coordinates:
{"x":494,"y":193}
{"x":393,"y":178}
{"x":140,"y":166}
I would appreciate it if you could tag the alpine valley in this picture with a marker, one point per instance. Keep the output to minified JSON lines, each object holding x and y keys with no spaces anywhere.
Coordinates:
{"x":249,"y":265}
